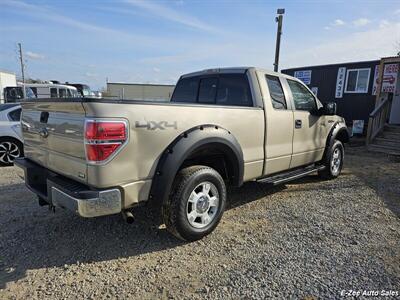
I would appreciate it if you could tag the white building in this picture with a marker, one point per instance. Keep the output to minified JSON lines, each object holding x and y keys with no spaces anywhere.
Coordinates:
{"x":7,"y":79}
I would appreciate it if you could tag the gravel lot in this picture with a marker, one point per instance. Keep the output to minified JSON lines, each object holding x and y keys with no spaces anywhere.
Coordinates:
{"x":308,"y":239}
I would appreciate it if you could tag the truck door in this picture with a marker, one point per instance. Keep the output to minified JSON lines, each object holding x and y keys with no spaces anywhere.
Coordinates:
{"x":279,"y":124}
{"x":309,"y":134}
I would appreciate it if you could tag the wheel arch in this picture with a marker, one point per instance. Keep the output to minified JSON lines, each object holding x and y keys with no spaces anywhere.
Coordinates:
{"x":191,"y":146}
{"x":337,"y":132}
{"x":12,"y":138}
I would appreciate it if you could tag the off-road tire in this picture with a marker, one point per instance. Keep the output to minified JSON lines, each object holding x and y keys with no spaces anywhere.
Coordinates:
{"x":330,"y":172}
{"x":174,"y":211}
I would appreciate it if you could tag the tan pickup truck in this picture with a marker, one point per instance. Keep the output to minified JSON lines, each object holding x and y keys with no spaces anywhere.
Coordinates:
{"x":222,"y":127}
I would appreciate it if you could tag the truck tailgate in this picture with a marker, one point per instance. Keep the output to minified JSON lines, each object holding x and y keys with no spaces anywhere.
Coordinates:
{"x":53,"y":135}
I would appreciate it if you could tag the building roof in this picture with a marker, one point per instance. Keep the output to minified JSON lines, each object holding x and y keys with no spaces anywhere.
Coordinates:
{"x":335,"y":64}
{"x":8,"y":72}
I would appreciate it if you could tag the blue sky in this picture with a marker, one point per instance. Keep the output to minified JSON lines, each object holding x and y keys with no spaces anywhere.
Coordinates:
{"x":156,"y":41}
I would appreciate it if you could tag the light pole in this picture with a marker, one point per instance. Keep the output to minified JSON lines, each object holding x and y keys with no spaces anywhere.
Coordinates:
{"x":279,"y":20}
{"x":21,"y":59}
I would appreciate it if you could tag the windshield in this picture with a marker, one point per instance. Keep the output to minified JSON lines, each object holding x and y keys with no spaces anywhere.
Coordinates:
{"x":29,"y":94}
{"x":86,"y":92}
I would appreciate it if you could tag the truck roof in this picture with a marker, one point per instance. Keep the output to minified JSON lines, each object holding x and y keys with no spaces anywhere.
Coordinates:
{"x":239,"y":70}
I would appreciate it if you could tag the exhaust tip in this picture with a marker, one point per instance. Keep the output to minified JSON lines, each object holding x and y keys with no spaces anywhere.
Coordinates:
{"x":128,"y":216}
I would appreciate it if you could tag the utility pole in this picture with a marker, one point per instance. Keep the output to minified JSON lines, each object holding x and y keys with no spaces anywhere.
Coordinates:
{"x":22,"y":62}
{"x":279,"y":20}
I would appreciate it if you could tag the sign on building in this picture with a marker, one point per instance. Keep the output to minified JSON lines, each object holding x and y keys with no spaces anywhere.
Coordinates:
{"x":340,"y":82}
{"x":358,"y":127}
{"x":389,"y":79}
{"x":375,"y":84}
{"x":304,"y":76}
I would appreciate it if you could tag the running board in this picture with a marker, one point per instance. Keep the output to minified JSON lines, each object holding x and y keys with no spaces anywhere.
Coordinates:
{"x":291,"y":175}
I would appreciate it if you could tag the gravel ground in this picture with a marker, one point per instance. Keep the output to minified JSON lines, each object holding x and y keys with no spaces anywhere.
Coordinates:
{"x":308,"y":239}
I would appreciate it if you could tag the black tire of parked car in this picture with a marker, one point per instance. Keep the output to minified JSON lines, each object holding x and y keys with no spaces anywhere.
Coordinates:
{"x":10,"y":149}
{"x":333,"y":161}
{"x":175,"y":211}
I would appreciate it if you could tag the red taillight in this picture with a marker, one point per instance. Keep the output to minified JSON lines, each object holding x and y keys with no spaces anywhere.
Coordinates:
{"x":105,"y":131}
{"x":103,"y":139}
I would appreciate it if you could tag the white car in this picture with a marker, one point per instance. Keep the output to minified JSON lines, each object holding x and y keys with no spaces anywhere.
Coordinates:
{"x":11,"y":143}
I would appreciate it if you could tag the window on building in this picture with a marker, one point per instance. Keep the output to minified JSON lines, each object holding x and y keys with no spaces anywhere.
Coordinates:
{"x":208,"y":90}
{"x":303,"y":99}
{"x":15,"y":115}
{"x":276,"y":92}
{"x":53,"y":93}
{"x":357,"y":80}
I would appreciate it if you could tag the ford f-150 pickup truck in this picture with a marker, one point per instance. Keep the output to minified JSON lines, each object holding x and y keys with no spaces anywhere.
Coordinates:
{"x":221,"y":127}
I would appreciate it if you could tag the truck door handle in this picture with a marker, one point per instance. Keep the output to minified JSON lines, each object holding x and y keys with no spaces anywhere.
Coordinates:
{"x":297,"y":123}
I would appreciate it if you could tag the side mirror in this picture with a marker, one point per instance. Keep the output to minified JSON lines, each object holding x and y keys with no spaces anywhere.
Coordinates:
{"x":330,"y":108}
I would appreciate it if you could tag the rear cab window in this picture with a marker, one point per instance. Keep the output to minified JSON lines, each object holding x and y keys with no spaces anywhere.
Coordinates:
{"x":208,"y":90}
{"x":221,"y":89}
{"x":186,"y":90}
{"x":276,"y":92}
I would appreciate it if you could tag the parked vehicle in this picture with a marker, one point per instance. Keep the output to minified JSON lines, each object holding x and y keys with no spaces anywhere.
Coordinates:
{"x":83,"y":89}
{"x":222,"y":127}
{"x":11,"y":144}
{"x":50,"y":90}
{"x":16,"y":94}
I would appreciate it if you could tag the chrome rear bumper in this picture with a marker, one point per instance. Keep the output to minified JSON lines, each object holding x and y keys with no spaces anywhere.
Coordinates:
{"x":68,"y":194}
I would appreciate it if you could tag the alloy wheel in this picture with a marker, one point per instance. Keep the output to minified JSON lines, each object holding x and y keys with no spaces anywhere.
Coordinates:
{"x":202,"y":205}
{"x":9,"y":151}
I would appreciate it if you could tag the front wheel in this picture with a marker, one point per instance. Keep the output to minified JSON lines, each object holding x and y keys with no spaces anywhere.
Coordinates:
{"x":196,"y":204}
{"x":10,"y":149}
{"x":334,"y":161}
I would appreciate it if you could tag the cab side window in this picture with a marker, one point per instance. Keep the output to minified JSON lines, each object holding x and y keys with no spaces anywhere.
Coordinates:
{"x":276,"y":92}
{"x":303,"y":99}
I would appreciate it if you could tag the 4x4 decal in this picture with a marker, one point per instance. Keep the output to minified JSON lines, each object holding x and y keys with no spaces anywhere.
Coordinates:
{"x":153,"y":125}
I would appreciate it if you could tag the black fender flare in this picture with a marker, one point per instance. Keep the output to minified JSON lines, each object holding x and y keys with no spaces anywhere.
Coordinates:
{"x":336,"y":130}
{"x":182,"y":147}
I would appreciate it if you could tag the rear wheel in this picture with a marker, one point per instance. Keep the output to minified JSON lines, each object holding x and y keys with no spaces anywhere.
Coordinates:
{"x":196,"y":204}
{"x":334,"y":161}
{"x":10,"y":149}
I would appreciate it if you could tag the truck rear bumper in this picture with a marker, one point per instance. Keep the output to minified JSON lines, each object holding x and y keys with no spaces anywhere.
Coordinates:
{"x":63,"y":192}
